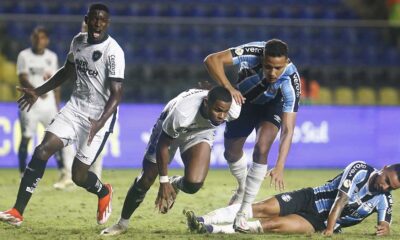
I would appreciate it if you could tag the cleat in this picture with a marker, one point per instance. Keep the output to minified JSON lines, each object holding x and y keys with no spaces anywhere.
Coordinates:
{"x":104,"y":207}
{"x":240,"y":223}
{"x":63,"y":183}
{"x":192,"y":221}
{"x":236,"y":198}
{"x":205,"y":228}
{"x":115,"y":229}
{"x":173,"y":180}
{"x":12,"y":217}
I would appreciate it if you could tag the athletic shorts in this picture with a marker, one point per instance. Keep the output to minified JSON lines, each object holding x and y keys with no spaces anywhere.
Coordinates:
{"x":302,"y":203}
{"x":184,"y":141}
{"x":30,"y":120}
{"x":73,"y":128}
{"x":251,"y":116}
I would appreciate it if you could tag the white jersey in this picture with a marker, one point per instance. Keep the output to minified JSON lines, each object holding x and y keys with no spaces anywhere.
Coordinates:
{"x":38,"y":67}
{"x":183,"y":114}
{"x":94,"y":64}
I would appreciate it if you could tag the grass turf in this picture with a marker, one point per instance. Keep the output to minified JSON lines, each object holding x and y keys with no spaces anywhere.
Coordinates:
{"x":71,"y":214}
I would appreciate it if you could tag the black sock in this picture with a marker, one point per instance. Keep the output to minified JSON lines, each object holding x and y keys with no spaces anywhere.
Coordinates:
{"x":59,"y":159}
{"x":133,"y":199}
{"x":32,"y":175}
{"x":22,"y":154}
{"x":94,"y":185}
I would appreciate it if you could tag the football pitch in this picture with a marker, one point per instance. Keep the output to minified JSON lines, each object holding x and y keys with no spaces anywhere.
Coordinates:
{"x":71,"y":214}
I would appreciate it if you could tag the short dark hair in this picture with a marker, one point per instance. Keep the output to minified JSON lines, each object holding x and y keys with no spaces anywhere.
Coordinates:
{"x":219,"y":93}
{"x":396,"y":167}
{"x":98,"y":6}
{"x":275,"y":48}
{"x":40,"y":29}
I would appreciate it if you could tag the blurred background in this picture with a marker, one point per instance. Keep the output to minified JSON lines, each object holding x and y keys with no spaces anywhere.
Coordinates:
{"x":347,"y":53}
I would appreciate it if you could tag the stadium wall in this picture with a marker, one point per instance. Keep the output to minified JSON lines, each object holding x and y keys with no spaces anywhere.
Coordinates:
{"x":325,"y":137}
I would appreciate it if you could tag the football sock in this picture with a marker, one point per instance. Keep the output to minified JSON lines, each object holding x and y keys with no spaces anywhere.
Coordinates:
{"x":32,"y":175}
{"x":94,"y":185}
{"x":254,"y":179}
{"x":224,"y":215}
{"x":239,"y":171}
{"x":22,"y":154}
{"x":228,"y":229}
{"x":133,"y":199}
{"x":255,"y":227}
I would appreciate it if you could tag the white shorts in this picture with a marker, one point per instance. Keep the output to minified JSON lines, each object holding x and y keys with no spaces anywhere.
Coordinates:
{"x":73,"y":128}
{"x":183,"y":141}
{"x":30,"y":120}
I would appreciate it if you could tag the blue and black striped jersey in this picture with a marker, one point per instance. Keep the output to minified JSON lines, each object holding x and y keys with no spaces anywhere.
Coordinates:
{"x":353,"y":181}
{"x":251,"y":80}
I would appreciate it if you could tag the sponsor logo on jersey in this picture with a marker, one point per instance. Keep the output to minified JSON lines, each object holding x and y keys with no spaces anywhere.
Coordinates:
{"x":286,"y":197}
{"x":239,"y":51}
{"x":111,"y":67}
{"x":257,"y":50}
{"x":355,"y":169}
{"x":36,"y":71}
{"x":277,"y":118}
{"x":296,"y":82}
{"x":82,"y":66}
{"x":96,"y":55}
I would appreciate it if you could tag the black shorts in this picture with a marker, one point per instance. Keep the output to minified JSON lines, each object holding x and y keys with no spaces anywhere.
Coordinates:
{"x":250,"y":117}
{"x":302,"y":203}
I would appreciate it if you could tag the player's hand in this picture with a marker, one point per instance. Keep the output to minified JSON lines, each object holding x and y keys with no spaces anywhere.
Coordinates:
{"x":382,"y":230}
{"x":237,"y":95}
{"x":28,"y":98}
{"x":276,"y":175}
{"x":95,"y":126}
{"x":327,"y":233}
{"x":165,"y":198}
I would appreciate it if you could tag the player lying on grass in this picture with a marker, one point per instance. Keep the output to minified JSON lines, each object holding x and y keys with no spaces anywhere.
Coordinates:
{"x":188,"y":122}
{"x":344,"y":201}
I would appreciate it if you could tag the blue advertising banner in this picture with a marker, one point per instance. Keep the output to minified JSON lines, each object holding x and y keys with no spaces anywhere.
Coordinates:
{"x":325,"y":137}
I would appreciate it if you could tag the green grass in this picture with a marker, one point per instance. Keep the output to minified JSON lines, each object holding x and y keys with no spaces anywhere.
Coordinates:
{"x":71,"y":214}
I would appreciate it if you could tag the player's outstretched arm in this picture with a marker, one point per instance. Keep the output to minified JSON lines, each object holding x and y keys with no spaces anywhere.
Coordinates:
{"x":287,"y":131}
{"x":111,"y":106}
{"x":215,"y":64}
{"x":337,"y":207}
{"x":166,"y":193}
{"x":30,"y":95}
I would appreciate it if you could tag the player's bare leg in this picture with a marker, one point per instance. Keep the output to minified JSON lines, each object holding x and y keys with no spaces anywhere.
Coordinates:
{"x":266,"y":133}
{"x":237,"y":162}
{"x":88,"y":180}
{"x":32,"y":175}
{"x":196,"y":160}
{"x":134,"y":197}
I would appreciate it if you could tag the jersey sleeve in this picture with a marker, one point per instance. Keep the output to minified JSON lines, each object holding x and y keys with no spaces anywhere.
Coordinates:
{"x":247,"y":55}
{"x":172,"y":123}
{"x":291,"y":93}
{"x":384,"y":208}
{"x":22,"y":64}
{"x":354,"y":173}
{"x":234,"y":111}
{"x":116,"y":62}
{"x":70,"y":56}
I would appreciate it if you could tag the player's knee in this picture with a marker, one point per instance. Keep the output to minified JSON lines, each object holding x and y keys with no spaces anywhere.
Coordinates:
{"x":79,"y":178}
{"x":260,"y":152}
{"x":231,"y":156}
{"x":191,"y":187}
{"x":144,"y":182}
{"x":41,"y":152}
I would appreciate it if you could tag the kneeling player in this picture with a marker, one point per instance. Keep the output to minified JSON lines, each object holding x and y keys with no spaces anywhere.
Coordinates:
{"x":188,"y":122}
{"x":343,"y":201}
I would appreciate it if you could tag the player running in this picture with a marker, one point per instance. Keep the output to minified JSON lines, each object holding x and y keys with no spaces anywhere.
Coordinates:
{"x":96,"y":63}
{"x":269,"y":88}
{"x":188,"y":122}
{"x":344,"y":201}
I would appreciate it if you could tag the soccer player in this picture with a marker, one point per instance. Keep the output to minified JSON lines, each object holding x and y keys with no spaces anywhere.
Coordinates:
{"x":187,"y":122}
{"x":35,"y":65}
{"x":96,"y":63}
{"x":269,"y":88}
{"x":344,"y":201}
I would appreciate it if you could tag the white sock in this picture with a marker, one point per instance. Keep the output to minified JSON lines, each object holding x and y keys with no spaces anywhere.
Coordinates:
{"x":224,"y":215}
{"x":239,"y":171}
{"x":253,"y":182}
{"x":123,"y":222}
{"x":255,"y":227}
{"x":228,"y":229}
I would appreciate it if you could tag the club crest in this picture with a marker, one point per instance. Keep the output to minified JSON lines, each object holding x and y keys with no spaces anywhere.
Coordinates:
{"x":96,"y":55}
